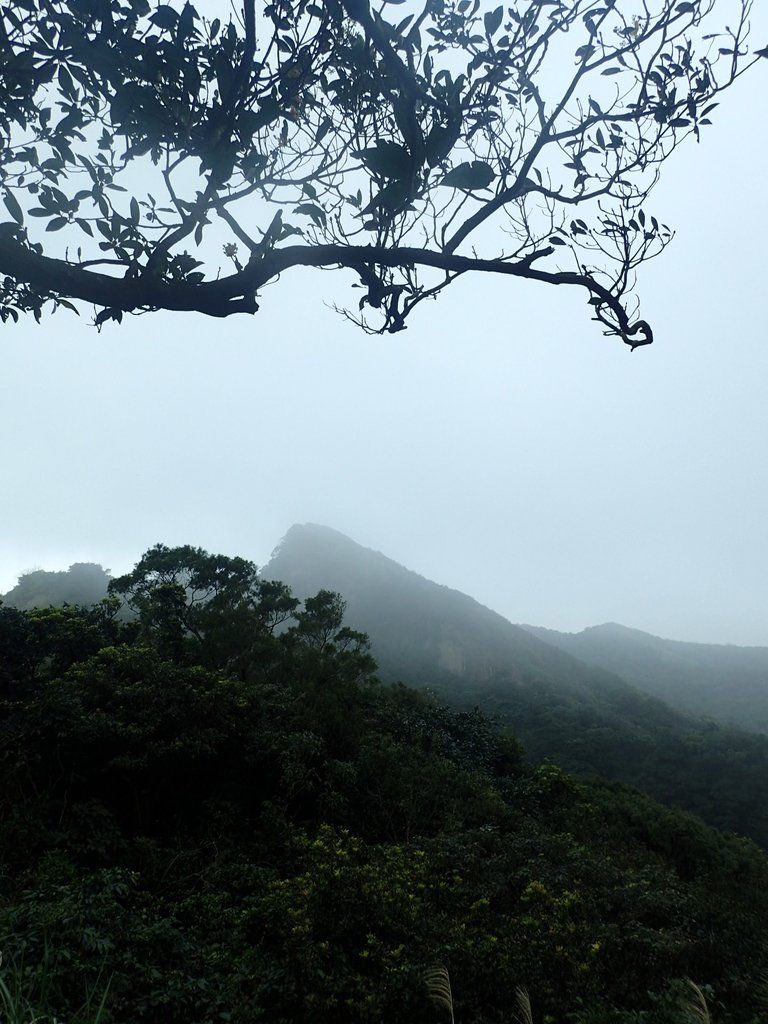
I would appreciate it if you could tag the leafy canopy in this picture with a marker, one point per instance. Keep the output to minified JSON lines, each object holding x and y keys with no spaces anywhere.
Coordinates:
{"x":155,"y":157}
{"x":210,"y":810}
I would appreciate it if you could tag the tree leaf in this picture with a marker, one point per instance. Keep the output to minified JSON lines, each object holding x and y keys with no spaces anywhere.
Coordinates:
{"x":65,"y":82}
{"x":186,"y":25}
{"x":387,"y":159}
{"x":470,"y":176}
{"x":391,"y":197}
{"x":441,"y":141}
{"x":317,"y":213}
{"x":493,"y":20}
{"x":165,"y":17}
{"x":323,"y":130}
{"x":108,"y":314}
{"x":12,"y":206}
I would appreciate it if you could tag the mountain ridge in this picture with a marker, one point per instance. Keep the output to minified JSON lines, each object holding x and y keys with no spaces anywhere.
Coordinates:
{"x":725,"y":681}
{"x":571,"y":706}
{"x":587,"y":718}
{"x":621,"y":628}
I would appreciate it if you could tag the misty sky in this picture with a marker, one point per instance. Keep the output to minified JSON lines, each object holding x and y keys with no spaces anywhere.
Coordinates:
{"x":501,"y":445}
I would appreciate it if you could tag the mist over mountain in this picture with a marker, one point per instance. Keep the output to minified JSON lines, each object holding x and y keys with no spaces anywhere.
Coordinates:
{"x":592,"y":702}
{"x":586,"y":718}
{"x":84,"y":583}
{"x":421,"y":630}
{"x":725,"y":682}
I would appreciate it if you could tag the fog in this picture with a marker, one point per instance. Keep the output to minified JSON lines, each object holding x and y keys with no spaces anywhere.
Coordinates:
{"x":501,"y":445}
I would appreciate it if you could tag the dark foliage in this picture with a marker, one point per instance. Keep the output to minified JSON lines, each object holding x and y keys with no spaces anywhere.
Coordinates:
{"x":276,"y":836}
{"x":144,"y":143}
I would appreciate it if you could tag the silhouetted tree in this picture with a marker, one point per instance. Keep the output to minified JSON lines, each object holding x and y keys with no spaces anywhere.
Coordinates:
{"x":148,"y":143}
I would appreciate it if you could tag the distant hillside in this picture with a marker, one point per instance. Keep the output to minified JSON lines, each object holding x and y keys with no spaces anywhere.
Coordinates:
{"x":84,"y":583}
{"x":422,"y":631}
{"x":727,"y":683}
{"x":584,"y":717}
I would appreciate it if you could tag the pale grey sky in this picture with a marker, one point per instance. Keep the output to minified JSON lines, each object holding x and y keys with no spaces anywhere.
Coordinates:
{"x":501,"y":445}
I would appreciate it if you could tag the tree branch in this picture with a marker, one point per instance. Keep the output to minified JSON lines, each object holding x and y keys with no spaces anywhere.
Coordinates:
{"x":236,"y":293}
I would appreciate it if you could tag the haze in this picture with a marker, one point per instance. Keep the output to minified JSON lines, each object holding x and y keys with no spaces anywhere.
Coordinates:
{"x":501,"y":445}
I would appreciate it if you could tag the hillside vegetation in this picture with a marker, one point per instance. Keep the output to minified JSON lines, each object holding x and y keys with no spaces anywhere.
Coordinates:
{"x":84,"y":583}
{"x":587,"y":719}
{"x":214,"y":811}
{"x":728,"y":683}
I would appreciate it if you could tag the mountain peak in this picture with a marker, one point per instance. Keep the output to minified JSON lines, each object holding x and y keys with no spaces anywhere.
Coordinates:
{"x":315,"y":537}
{"x":616,"y":629}
{"x":421,"y":631}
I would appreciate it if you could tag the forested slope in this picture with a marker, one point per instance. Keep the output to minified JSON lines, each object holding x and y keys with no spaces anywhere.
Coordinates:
{"x":587,"y":719}
{"x":83,"y":583}
{"x":726,"y":682}
{"x":215,"y":812}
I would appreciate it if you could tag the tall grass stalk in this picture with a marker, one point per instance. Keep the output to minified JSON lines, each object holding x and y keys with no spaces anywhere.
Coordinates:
{"x":16,"y":1006}
{"x":523,"y":1013}
{"x":694,"y":1005}
{"x":438,"y":984}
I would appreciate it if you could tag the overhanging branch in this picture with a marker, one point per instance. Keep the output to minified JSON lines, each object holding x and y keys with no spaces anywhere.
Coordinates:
{"x":67,"y":280}
{"x":236,"y":292}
